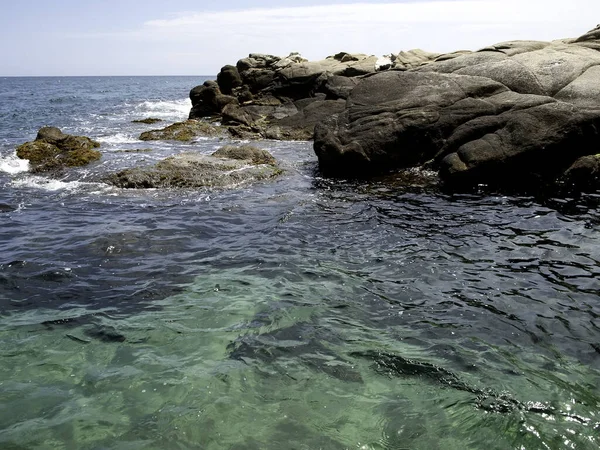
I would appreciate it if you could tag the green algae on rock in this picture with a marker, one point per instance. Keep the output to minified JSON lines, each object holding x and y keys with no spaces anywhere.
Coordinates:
{"x":228,"y":167}
{"x":246,"y":152}
{"x":183,"y":131}
{"x":147,"y":120}
{"x":54,"y":150}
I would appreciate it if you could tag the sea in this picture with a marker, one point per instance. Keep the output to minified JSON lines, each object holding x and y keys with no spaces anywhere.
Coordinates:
{"x":302,"y":313}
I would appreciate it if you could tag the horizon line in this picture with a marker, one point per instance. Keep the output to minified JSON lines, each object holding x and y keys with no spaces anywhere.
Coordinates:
{"x":98,"y":76}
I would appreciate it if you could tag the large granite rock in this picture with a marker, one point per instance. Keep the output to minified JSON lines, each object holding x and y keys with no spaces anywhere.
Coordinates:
{"x":53,"y":150}
{"x":516,"y":113}
{"x":228,"y":167}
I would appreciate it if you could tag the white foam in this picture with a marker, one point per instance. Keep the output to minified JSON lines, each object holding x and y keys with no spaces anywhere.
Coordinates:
{"x":48,"y":184}
{"x":118,"y":138}
{"x":175,"y":109}
{"x":13,"y":165}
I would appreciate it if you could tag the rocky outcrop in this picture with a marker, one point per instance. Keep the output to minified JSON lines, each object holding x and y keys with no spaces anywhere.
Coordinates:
{"x":266,"y":96}
{"x":228,"y":167}
{"x":513,"y":114}
{"x":53,"y":150}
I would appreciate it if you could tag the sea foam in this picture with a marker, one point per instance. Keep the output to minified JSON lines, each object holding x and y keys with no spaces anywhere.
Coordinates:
{"x":176,"y":109}
{"x":12,"y":164}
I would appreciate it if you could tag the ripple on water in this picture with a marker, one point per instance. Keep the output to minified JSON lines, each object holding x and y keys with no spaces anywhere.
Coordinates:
{"x":303,"y":313}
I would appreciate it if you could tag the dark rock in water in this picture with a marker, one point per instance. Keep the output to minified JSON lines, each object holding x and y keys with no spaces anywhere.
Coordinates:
{"x":513,"y":114}
{"x":148,"y":120}
{"x":105,"y":334}
{"x":584,"y":173}
{"x":297,"y":342}
{"x":208,"y":100}
{"x":183,"y":131}
{"x":6,"y":208}
{"x":53,"y":150}
{"x":192,"y":170}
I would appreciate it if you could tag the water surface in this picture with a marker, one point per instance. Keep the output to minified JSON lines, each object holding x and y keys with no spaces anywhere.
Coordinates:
{"x":302,"y":313}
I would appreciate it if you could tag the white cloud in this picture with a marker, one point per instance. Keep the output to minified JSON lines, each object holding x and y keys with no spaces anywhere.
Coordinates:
{"x":223,"y":37}
{"x":317,"y":31}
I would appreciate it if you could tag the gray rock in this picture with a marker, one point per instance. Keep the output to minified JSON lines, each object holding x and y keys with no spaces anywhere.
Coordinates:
{"x":192,"y":170}
{"x":183,"y":131}
{"x":515,"y":112}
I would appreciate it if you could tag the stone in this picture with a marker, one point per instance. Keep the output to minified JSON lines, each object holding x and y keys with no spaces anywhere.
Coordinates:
{"x":246,"y":152}
{"x":228,"y":79}
{"x":148,"y":120}
{"x":193,"y":170}
{"x":54,"y":150}
{"x":583,"y":174}
{"x":183,"y":131}
{"x":515,"y":114}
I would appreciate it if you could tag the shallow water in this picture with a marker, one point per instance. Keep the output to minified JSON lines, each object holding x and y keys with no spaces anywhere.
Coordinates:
{"x":302,"y":314}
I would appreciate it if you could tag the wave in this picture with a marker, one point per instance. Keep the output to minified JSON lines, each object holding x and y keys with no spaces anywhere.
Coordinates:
{"x":118,"y":138}
{"x":13,"y":165}
{"x":162,"y":109}
{"x":51,"y":185}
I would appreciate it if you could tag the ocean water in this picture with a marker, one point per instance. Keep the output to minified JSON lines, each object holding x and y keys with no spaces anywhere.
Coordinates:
{"x":301,"y":313}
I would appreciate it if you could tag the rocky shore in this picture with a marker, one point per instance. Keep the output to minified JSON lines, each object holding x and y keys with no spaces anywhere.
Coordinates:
{"x":517,"y":114}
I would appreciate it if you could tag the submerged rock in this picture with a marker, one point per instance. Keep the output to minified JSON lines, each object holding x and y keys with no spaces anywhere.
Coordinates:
{"x":148,"y":120}
{"x":183,"y":131}
{"x":54,"y":150}
{"x":227,"y":167}
{"x":515,"y":114}
{"x":247,"y":153}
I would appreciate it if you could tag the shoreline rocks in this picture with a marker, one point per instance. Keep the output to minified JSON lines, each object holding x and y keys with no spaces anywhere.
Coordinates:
{"x":53,"y":150}
{"x":517,"y":114}
{"x":268,"y":97}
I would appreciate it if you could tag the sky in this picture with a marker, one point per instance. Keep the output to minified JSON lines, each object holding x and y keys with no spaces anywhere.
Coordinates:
{"x":198,"y":37}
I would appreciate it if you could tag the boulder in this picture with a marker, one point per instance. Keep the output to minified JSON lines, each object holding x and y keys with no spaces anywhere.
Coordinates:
{"x":246,"y":152}
{"x":583,"y":174}
{"x":228,"y":79}
{"x":183,"y":131}
{"x":413,"y":59}
{"x":53,"y":150}
{"x":515,"y":113}
{"x":226,"y":168}
{"x":208,"y":100}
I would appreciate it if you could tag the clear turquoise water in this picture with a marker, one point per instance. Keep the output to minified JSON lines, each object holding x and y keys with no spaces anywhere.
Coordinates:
{"x":297,"y":314}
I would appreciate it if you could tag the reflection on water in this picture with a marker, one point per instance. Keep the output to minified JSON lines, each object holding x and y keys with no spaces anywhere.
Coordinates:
{"x":302,"y":314}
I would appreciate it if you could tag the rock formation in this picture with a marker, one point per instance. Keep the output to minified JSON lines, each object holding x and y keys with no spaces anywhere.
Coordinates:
{"x":53,"y":150}
{"x":265,"y":96}
{"x":227,"y":167}
{"x":515,"y":114}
